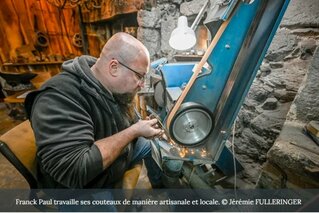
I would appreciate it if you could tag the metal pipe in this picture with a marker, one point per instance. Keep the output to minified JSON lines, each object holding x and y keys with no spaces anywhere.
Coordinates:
{"x":194,"y":180}
{"x":199,"y":16}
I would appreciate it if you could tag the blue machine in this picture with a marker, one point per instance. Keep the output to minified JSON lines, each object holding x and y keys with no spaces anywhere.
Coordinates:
{"x":203,"y":122}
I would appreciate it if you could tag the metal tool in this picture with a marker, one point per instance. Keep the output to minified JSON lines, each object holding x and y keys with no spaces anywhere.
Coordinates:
{"x":153,"y":114}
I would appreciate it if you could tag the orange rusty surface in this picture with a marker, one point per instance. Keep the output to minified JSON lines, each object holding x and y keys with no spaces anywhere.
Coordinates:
{"x":111,"y":8}
{"x":20,"y":20}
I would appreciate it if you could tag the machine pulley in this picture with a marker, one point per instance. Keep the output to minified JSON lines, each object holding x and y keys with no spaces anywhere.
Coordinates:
{"x":191,"y":125}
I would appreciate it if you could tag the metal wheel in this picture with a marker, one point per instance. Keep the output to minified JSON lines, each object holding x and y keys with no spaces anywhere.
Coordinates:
{"x":191,"y":125}
{"x":159,"y":95}
{"x":41,"y":40}
{"x":77,"y":40}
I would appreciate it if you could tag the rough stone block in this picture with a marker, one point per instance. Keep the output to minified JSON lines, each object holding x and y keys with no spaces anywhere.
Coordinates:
{"x":149,"y":19}
{"x":307,"y":101}
{"x":301,"y":13}
{"x":167,"y":27}
{"x":271,"y":177}
{"x":297,"y":155}
{"x":150,"y":38}
{"x":192,"y":7}
{"x":270,"y":104}
{"x":283,"y":43}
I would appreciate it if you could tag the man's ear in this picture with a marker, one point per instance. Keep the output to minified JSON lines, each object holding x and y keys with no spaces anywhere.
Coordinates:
{"x":113,"y":68}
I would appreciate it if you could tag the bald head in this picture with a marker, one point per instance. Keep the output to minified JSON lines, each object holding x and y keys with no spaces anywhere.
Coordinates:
{"x":124,"y":47}
{"x":120,"y":48}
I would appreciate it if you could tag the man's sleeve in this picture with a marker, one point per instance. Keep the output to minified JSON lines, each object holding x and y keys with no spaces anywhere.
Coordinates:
{"x":65,"y":141}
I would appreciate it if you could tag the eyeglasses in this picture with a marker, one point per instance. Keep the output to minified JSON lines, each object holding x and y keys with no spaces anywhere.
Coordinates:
{"x":139,"y":75}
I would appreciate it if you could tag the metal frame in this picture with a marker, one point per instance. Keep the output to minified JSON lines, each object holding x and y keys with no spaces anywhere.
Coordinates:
{"x":24,"y":171}
{"x":12,"y":158}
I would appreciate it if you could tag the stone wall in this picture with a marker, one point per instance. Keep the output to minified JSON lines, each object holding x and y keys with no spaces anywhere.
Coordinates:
{"x":276,"y":85}
{"x":293,"y":161}
{"x":156,"y":25}
{"x":278,"y":80}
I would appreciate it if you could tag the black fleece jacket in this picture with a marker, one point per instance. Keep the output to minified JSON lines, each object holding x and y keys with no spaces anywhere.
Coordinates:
{"x":68,"y":114}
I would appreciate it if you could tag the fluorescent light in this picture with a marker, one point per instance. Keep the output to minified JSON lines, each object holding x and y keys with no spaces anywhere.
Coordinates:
{"x":182,"y":37}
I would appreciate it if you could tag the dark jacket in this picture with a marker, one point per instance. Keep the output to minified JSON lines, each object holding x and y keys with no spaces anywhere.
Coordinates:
{"x":68,"y":114}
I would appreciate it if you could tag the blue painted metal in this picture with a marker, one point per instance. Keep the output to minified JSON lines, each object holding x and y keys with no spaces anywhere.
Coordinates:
{"x":254,"y":50}
{"x":222,"y":59}
{"x":226,"y":163}
{"x":253,"y":59}
{"x":158,"y":62}
{"x":235,"y":61}
{"x":177,"y":74}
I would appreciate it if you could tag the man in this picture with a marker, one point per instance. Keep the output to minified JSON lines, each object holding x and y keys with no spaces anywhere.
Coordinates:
{"x":82,"y":118}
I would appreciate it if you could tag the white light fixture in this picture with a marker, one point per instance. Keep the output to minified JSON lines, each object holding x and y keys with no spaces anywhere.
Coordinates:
{"x":183,"y":37}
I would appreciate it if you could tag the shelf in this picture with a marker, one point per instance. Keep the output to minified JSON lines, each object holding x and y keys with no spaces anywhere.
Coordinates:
{"x":17,"y":98}
{"x":32,"y":63}
{"x":187,"y":57}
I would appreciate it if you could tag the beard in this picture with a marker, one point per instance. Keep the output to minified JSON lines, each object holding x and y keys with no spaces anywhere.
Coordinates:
{"x":126,"y":103}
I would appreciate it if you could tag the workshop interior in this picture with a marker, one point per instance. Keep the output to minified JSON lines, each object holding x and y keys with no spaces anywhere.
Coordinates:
{"x":232,"y":83}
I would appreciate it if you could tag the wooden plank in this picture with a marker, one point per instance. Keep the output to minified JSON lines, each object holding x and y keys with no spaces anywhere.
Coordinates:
{"x":10,"y":23}
{"x":13,"y":99}
{"x":110,"y":8}
{"x":57,"y":17}
{"x":52,"y":28}
{"x":4,"y":45}
{"x":72,"y":24}
{"x":26,"y":28}
{"x":39,"y":24}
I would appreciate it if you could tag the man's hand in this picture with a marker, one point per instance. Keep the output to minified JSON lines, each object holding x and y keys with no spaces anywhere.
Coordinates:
{"x":111,"y":147}
{"x":147,"y":128}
